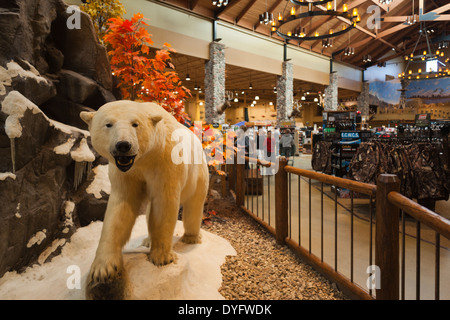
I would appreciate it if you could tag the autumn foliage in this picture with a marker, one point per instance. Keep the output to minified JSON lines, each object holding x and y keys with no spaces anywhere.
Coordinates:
{"x":100,"y":11}
{"x":144,"y":75}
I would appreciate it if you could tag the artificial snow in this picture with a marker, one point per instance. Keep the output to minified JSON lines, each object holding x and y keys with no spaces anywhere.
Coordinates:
{"x":18,"y":215}
{"x":195,"y":275}
{"x":6,"y":175}
{"x":15,"y":105}
{"x":65,"y":147}
{"x":13,"y":70}
{"x":37,"y":238}
{"x":100,"y":183}
{"x":69,"y":206}
{"x":83,"y":153}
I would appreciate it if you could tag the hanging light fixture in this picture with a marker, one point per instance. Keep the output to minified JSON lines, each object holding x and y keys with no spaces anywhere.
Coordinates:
{"x":385,"y":1}
{"x":367,"y":58}
{"x":300,"y":34}
{"x":219,"y":3}
{"x":435,"y":65}
{"x":266,"y":18}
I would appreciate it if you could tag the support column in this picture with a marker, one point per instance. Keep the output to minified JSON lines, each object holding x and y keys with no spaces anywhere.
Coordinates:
{"x":285,"y":92}
{"x":331,"y":93}
{"x":363,"y":100}
{"x":215,"y":83}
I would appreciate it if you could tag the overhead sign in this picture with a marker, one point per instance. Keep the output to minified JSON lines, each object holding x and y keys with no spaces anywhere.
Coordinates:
{"x":423,"y":120}
{"x":350,"y":134}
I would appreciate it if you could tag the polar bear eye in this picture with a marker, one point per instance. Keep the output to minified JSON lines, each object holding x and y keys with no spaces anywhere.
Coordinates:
{"x":135,"y":125}
{"x":109,"y":125}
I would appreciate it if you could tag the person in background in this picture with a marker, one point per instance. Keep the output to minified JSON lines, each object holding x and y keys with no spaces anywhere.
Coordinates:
{"x":269,"y":144}
{"x":277,"y":136}
{"x":286,"y":143}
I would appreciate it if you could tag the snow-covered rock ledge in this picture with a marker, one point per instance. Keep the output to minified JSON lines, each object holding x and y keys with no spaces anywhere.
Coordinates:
{"x":44,"y":166}
{"x":196,"y":275}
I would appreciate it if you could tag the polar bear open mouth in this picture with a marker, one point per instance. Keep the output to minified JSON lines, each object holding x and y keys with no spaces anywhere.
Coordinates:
{"x":124,"y":163}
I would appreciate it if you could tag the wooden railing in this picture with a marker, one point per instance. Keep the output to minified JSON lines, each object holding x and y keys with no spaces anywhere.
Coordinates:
{"x":387,"y":216}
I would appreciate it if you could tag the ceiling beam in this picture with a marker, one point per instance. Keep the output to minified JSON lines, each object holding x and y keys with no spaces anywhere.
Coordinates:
{"x":221,"y":11}
{"x":244,"y":11}
{"x":388,"y":7}
{"x":192,"y":4}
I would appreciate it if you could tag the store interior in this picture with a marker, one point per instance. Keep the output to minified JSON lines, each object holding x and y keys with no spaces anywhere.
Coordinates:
{"x":361,"y":88}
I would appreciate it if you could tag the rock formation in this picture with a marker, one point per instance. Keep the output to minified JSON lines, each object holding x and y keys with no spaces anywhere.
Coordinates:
{"x":48,"y":74}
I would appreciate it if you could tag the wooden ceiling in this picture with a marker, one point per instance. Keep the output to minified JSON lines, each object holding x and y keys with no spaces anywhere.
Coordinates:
{"x":393,"y":34}
{"x":395,"y":38}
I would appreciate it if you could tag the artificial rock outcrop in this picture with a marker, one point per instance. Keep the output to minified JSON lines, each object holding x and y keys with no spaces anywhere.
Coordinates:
{"x":49,"y":72}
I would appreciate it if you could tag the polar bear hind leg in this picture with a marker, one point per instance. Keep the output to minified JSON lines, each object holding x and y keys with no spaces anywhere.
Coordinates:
{"x":193,"y":213}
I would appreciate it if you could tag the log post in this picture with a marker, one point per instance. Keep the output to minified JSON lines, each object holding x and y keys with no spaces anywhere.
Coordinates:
{"x":240,"y":184}
{"x":281,"y":202}
{"x":224,"y":178}
{"x":232,"y":176}
{"x":387,"y":239}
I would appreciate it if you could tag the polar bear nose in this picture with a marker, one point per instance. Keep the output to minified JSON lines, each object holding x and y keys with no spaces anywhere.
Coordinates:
{"x":123,"y":146}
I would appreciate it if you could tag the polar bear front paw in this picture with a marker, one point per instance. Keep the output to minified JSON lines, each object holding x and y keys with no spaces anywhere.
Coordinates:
{"x":106,"y":268}
{"x":106,"y":280}
{"x":161,"y":257}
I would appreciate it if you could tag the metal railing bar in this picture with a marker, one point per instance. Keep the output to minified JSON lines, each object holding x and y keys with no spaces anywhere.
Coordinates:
{"x":437,"y":269}
{"x":418,"y":261}
{"x":351,"y":236}
{"x":403,"y":258}
{"x":321,"y":222}
{"x":299,"y":210}
{"x":309,"y":219}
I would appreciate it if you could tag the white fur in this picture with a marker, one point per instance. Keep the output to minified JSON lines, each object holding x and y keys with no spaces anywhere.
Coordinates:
{"x":154,"y":184}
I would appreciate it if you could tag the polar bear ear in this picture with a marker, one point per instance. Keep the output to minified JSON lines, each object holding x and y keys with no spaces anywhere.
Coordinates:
{"x":156,"y":119}
{"x":87,"y":116}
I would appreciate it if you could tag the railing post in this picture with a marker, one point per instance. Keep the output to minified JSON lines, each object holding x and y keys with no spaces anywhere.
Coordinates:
{"x":240,"y":184}
{"x":224,"y":179}
{"x":232,"y":176}
{"x":281,"y":202}
{"x":387,"y":239}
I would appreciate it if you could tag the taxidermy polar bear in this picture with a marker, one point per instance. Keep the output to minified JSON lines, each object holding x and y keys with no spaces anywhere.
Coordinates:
{"x":136,"y":138}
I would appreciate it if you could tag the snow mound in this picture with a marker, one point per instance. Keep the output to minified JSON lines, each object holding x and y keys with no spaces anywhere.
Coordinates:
{"x":196,"y":275}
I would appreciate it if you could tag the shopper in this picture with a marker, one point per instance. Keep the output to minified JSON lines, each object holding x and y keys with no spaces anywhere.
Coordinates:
{"x":286,"y":144}
{"x":269,"y":144}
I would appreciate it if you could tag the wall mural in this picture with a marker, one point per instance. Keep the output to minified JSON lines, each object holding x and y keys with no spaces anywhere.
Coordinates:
{"x":418,"y":96}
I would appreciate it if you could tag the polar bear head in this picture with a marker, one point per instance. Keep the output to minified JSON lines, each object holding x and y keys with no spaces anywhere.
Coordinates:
{"x":122,"y":131}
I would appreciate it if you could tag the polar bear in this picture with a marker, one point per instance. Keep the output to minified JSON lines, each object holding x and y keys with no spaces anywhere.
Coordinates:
{"x":136,"y":138}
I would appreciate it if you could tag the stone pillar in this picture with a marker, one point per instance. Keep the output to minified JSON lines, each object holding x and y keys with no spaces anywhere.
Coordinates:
{"x":215,"y":83}
{"x":285,"y":92}
{"x":331,"y":93}
{"x":363,"y":100}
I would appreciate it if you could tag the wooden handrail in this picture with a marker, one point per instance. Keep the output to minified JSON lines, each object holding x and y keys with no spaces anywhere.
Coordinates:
{"x":365,"y":188}
{"x":260,"y":162}
{"x":420,"y":213}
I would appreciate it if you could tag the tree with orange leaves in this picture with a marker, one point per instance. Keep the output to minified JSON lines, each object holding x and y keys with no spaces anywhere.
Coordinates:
{"x":142,"y":77}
